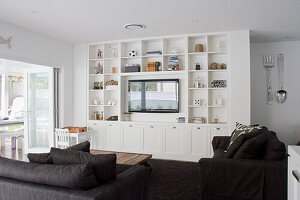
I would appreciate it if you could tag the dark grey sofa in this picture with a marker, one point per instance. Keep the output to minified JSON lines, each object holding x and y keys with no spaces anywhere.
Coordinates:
{"x":262,"y":177}
{"x":130,"y":184}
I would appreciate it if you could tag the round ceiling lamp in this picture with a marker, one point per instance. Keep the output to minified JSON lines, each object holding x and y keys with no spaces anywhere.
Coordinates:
{"x":134,"y":26}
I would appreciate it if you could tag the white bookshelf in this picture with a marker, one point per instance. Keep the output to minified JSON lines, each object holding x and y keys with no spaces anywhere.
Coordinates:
{"x":215,"y":48}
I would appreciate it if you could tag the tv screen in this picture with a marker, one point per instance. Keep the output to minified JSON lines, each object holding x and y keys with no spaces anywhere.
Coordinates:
{"x":153,"y":96}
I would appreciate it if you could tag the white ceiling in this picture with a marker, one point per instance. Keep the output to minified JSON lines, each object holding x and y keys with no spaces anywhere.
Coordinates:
{"x":77,"y":21}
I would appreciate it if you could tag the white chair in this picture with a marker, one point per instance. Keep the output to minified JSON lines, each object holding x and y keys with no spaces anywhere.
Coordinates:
{"x":62,"y":138}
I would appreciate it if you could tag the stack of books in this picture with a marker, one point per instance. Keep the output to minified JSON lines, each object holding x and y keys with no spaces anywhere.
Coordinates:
{"x":199,"y":120}
{"x":153,"y":53}
{"x":153,"y":66}
{"x":174,"y":63}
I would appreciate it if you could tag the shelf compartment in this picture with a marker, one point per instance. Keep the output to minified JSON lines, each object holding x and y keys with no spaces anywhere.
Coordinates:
{"x":194,"y":59}
{"x":201,"y":78}
{"x":217,"y":43}
{"x":166,"y":62}
{"x":152,"y":45}
{"x":201,"y":95}
{"x":92,"y":109}
{"x":197,"y":112}
{"x":127,"y":47}
{"x":219,"y":113}
{"x":93,"y":50}
{"x":95,"y":79}
{"x":193,"y":40}
{"x":174,"y":45}
{"x":111,"y":50}
{"x":216,"y":76}
{"x":109,"y":64}
{"x":213,"y":96}
{"x":145,"y":60}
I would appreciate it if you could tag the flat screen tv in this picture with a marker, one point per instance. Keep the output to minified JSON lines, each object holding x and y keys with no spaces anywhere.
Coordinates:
{"x":153,"y":96}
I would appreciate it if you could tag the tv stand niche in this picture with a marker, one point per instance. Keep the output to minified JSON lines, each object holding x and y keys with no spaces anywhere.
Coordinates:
{"x":159,"y":133}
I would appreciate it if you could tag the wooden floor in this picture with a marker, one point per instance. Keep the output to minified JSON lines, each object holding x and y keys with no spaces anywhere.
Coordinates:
{"x":14,"y":154}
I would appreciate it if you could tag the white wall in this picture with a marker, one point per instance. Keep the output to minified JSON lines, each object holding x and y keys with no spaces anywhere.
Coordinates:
{"x":284,"y":119}
{"x":31,"y":47}
{"x":79,"y":84}
{"x":240,"y":77}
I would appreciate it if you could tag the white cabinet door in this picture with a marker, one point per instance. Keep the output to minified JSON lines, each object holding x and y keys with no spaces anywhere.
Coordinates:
{"x":112,"y":137}
{"x":132,"y":135}
{"x":215,"y":131}
{"x":293,"y":180}
{"x":174,"y":141}
{"x":198,"y":141}
{"x":98,"y":136}
{"x":152,"y":140}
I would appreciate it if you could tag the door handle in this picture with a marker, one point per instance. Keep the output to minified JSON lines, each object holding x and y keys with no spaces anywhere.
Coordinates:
{"x":174,"y":127}
{"x":198,"y":128}
{"x":296,"y":175}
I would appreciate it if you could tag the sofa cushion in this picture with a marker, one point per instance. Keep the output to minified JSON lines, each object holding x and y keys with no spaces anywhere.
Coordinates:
{"x":104,"y":165}
{"x":253,"y":148}
{"x":274,"y":149}
{"x":78,"y":176}
{"x":46,"y":158}
{"x":219,"y":153}
{"x":240,"y":135}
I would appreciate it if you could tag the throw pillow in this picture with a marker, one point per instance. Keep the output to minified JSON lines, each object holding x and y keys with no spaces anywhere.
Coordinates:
{"x":274,"y":149}
{"x":46,"y":158}
{"x":253,"y":148}
{"x":240,"y":135}
{"x":104,"y":165}
{"x":79,"y":176}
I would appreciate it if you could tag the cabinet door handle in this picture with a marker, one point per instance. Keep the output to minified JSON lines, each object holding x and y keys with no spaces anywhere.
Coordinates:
{"x":218,"y":129}
{"x":198,"y":128}
{"x":109,"y":125}
{"x":295,"y":174}
{"x":130,"y":125}
{"x":150,"y":126}
{"x":174,"y":127}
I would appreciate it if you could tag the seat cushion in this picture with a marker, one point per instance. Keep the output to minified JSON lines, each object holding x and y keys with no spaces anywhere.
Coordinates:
{"x":104,"y":165}
{"x":46,"y":158}
{"x":219,"y":153}
{"x":78,"y":176}
{"x":240,"y":135}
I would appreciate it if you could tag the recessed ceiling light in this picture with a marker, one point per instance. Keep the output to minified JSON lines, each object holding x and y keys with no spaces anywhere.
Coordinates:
{"x":134,"y":26}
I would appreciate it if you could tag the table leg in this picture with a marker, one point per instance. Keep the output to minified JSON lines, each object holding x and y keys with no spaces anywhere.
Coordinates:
{"x":3,"y":142}
{"x":13,"y":142}
{"x":20,"y":143}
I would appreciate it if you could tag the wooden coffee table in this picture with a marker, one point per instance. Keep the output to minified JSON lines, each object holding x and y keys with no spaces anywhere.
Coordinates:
{"x":127,"y":158}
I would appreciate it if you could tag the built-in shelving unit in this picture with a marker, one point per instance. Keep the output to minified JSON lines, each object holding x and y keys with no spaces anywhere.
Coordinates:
{"x":214,"y":102}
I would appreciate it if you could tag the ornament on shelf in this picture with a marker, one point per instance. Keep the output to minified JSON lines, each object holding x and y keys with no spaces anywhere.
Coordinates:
{"x":95,"y":101}
{"x":174,"y":63}
{"x":99,"y":69}
{"x":197,"y":102}
{"x":133,"y":53}
{"x":114,"y":52}
{"x":99,"y":54}
{"x":216,"y":66}
{"x":198,"y":47}
{"x":197,"y":66}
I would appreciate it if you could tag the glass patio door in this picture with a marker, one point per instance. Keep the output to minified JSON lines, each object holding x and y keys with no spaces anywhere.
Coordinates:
{"x":39,"y":110}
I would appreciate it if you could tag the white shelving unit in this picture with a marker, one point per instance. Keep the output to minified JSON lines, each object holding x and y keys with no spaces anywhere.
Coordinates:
{"x":215,"y":48}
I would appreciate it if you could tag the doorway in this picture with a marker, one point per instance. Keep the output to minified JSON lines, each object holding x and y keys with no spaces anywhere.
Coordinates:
{"x":32,"y":101}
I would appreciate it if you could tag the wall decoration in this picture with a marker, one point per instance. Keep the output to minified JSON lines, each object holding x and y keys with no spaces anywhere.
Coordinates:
{"x":6,"y":41}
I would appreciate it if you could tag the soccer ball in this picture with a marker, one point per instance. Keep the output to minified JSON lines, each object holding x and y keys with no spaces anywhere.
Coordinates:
{"x":133,"y":53}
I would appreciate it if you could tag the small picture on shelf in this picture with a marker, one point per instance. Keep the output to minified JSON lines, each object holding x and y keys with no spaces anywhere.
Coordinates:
{"x":216,"y":66}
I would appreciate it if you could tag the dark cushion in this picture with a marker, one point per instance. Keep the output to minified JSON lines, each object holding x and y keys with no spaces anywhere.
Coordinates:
{"x":253,"y":148}
{"x":104,"y":165}
{"x":219,"y":153}
{"x":46,"y":158}
{"x":274,"y":149}
{"x":242,"y":137}
{"x":79,"y":176}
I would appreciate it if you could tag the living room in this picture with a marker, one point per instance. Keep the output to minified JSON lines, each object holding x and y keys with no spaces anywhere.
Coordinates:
{"x":160,"y":100}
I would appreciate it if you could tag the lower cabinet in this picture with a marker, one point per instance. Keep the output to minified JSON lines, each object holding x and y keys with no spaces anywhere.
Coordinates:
{"x":174,"y":141}
{"x":132,"y":138}
{"x":112,"y":137}
{"x":198,"y":140}
{"x":98,"y":138}
{"x":152,"y":139}
{"x":179,"y":142}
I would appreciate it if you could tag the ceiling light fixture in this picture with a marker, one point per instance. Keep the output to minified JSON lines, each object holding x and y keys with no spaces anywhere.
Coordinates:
{"x":134,"y":26}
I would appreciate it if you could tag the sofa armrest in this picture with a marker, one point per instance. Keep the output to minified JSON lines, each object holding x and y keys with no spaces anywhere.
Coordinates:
{"x":220,"y":142}
{"x":132,"y":184}
{"x":231,"y":178}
